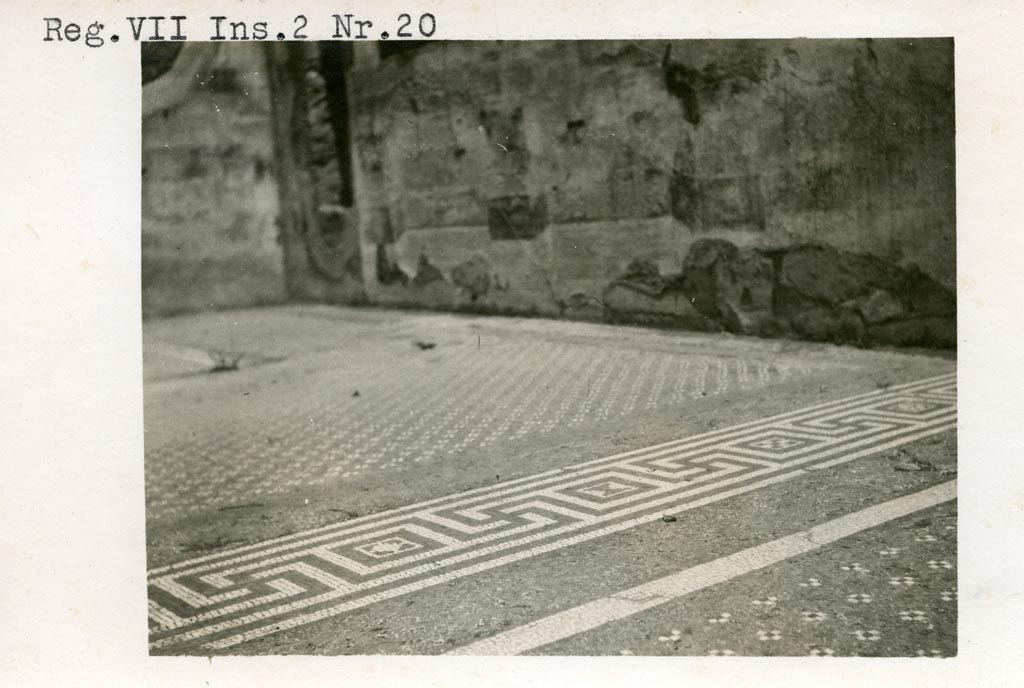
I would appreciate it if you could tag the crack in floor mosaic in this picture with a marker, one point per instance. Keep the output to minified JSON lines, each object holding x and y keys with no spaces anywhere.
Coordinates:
{"x":224,"y":599}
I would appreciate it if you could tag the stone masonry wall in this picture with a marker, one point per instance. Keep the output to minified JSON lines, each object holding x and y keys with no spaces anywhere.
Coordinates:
{"x":209,"y":194}
{"x":794,"y":187}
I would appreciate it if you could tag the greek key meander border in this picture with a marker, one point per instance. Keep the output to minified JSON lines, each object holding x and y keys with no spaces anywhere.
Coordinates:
{"x":470,"y":529}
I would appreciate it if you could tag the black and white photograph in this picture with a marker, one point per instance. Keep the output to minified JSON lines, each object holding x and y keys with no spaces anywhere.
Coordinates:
{"x":565,"y":347}
{"x":427,"y":343}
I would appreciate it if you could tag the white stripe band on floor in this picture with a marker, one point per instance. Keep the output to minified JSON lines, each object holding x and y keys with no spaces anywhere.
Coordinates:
{"x":628,"y":602}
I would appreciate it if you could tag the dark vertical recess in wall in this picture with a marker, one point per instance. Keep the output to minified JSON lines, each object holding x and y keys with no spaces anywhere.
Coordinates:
{"x":334,"y":61}
{"x":297,"y":215}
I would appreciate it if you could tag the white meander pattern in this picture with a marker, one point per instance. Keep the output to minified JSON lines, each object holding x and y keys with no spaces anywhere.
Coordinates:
{"x":224,"y":599}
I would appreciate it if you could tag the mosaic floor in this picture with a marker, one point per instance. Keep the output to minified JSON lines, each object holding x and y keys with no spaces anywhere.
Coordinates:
{"x":464,"y":399}
{"x":225,"y":599}
{"x":892,"y":593}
